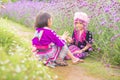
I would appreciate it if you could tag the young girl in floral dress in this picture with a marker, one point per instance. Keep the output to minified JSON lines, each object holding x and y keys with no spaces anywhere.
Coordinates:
{"x":48,"y":45}
{"x":81,"y":41}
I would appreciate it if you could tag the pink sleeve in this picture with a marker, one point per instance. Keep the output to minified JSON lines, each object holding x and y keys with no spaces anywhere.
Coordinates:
{"x":56,"y":39}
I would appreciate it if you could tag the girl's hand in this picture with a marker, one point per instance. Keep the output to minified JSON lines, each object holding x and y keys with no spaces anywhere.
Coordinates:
{"x":2,"y":6}
{"x":69,"y":40}
{"x":65,"y":35}
{"x":34,"y":49}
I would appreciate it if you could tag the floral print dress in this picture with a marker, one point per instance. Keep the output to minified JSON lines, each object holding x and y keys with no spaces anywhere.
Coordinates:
{"x":77,"y":45}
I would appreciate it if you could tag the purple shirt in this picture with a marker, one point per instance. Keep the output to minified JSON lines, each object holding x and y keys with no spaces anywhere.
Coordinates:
{"x":45,"y":36}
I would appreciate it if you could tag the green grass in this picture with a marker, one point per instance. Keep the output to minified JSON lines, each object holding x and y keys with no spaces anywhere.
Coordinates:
{"x":99,"y":70}
{"x":16,"y":60}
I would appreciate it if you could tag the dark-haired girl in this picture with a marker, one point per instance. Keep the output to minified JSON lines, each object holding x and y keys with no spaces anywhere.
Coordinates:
{"x":48,"y":45}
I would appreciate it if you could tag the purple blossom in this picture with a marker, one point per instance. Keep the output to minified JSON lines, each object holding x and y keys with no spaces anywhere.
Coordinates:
{"x":115,"y":37}
{"x":99,"y":49}
{"x":103,"y":23}
{"x":103,"y":14}
{"x":107,"y":9}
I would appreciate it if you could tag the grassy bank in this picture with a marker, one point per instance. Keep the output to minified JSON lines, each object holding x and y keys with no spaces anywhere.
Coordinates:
{"x":16,"y":60}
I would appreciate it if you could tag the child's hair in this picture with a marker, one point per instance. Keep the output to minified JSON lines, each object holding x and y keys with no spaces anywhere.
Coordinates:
{"x":42,"y":20}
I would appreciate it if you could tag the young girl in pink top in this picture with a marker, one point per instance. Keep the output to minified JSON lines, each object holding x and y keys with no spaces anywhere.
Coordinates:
{"x":48,"y":45}
{"x":81,"y":42}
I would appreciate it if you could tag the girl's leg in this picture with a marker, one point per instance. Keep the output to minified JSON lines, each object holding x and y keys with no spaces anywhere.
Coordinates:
{"x":65,"y":51}
{"x":60,"y":60}
{"x":74,"y":59}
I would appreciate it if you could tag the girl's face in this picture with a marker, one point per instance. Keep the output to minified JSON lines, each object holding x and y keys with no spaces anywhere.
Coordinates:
{"x":79,"y":25}
{"x":50,"y":22}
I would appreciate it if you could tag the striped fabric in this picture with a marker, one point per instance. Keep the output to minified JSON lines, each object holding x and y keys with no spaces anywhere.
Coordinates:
{"x":50,"y":54}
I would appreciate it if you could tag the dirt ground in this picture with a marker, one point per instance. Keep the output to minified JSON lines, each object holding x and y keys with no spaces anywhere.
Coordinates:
{"x":72,"y":72}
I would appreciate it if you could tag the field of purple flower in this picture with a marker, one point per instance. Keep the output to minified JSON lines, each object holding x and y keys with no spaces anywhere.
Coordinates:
{"x":104,"y":16}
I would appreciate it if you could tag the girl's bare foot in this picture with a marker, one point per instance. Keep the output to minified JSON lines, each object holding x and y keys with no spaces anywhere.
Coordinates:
{"x":77,"y":60}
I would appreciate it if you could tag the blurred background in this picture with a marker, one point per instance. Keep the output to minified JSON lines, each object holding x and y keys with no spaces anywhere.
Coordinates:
{"x":16,"y":30}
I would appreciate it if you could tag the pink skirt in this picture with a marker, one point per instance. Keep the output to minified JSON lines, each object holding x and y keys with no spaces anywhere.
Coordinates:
{"x":74,"y":48}
{"x":49,"y":54}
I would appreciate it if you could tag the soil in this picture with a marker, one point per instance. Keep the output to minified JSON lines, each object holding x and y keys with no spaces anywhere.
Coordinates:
{"x":72,"y":72}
